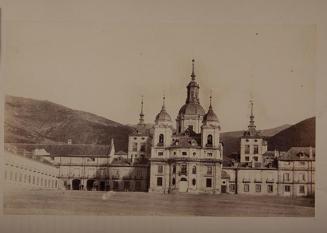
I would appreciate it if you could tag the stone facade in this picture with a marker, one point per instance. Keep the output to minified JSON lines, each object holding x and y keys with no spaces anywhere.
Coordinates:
{"x":190,"y":159}
{"x":21,"y":170}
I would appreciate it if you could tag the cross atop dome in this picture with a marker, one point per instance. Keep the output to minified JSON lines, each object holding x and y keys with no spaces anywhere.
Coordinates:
{"x":193,"y":74}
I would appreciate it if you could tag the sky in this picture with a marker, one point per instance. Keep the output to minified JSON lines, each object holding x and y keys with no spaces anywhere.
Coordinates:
{"x":102,"y":60}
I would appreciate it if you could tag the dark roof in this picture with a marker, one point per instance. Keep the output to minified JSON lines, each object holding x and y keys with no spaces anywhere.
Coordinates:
{"x":186,"y":141}
{"x":298,"y":153}
{"x":192,"y":109}
{"x":121,"y":161}
{"x":210,"y":116}
{"x":163,"y":116}
{"x":65,"y":149}
{"x":141,"y":130}
{"x":269,"y":154}
{"x":121,"y":153}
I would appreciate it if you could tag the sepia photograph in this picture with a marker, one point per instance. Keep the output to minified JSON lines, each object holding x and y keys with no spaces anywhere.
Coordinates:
{"x":111,"y":116}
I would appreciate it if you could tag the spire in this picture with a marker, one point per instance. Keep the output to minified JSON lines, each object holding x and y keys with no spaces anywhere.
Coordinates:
{"x":193,"y":74}
{"x":141,"y":114}
{"x":252,"y":116}
{"x":252,"y":126}
{"x":211,"y":115}
{"x":193,"y":89}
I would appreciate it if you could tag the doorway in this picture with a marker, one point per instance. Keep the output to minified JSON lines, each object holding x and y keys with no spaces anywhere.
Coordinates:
{"x":223,"y":189}
{"x":90,"y":185}
{"x":76,"y":184}
{"x":102,"y":185}
{"x":183,"y":185}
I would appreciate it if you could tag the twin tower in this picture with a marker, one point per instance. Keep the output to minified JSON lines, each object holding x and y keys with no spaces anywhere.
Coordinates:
{"x":190,"y":158}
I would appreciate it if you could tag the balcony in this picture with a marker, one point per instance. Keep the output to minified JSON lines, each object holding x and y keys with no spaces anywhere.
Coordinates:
{"x":209,"y":145}
{"x":270,"y":180}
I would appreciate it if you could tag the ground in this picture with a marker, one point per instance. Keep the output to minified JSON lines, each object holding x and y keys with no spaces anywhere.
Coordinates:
{"x":42,"y":202}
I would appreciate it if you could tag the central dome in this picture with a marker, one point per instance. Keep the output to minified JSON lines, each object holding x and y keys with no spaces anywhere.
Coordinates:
{"x":192,"y":109}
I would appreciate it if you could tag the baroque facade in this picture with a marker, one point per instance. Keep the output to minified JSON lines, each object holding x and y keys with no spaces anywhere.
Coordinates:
{"x":189,"y":159}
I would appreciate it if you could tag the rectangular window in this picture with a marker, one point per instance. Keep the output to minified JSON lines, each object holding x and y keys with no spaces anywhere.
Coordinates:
{"x":183,"y":169}
{"x":159,"y":181}
{"x":255,"y":158}
{"x":160,"y":169}
{"x":143,"y":147}
{"x":258,"y":188}
{"x":255,"y":149}
{"x":246,"y":187}
{"x":209,"y":170}
{"x":247,"y":149}
{"x":174,"y":169}
{"x":270,"y":188}
{"x":247,"y":158}
{"x":232,"y":188}
{"x":160,"y":153}
{"x":134,"y":146}
{"x":302,"y":177}
{"x":208,"y":182}
{"x":210,"y":154}
{"x":301,"y":189}
{"x":287,"y":188}
{"x":184,"y":153}
{"x":286,"y":176}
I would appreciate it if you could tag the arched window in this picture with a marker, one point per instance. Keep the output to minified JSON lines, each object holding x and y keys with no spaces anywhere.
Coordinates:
{"x":194,"y":182}
{"x":209,"y":140}
{"x":161,"y":138}
{"x":194,"y":170}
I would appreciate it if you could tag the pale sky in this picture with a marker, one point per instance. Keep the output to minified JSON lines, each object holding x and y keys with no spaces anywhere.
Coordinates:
{"x":99,"y":60}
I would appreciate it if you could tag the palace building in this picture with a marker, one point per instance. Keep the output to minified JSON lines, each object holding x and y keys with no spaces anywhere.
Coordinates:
{"x":165,"y":159}
{"x":190,"y":159}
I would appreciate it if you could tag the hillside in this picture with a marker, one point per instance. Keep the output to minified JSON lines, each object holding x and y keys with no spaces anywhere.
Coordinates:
{"x":37,"y":121}
{"x":300,"y":134}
